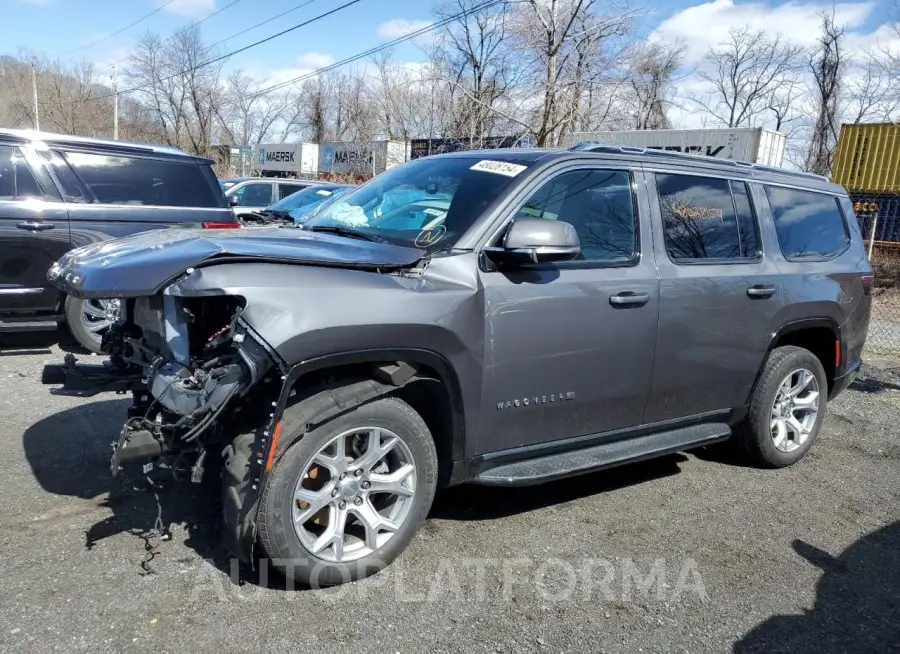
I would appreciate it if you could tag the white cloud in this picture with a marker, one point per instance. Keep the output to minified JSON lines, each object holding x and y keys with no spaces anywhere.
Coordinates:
{"x":394,"y":29}
{"x":190,"y":8}
{"x":314,"y":60}
{"x":705,"y":25}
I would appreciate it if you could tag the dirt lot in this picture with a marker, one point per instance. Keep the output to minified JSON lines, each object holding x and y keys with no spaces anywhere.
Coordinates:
{"x":691,"y":553}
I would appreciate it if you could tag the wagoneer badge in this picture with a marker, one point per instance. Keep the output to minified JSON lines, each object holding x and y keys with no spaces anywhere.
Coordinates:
{"x":537,"y":399}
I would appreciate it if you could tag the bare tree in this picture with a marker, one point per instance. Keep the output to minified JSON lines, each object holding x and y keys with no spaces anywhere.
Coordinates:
{"x":247,"y":116}
{"x":175,"y":79}
{"x":872,"y":94}
{"x":477,"y":63}
{"x":826,"y":61}
{"x":564,"y":43}
{"x":651,"y":80}
{"x":745,"y":72}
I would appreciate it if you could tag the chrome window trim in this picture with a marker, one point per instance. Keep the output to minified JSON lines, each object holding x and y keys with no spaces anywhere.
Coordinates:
{"x":20,"y":291}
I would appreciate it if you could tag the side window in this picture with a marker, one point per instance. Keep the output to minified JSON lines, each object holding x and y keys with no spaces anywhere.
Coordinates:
{"x":706,"y":218}
{"x":600,"y":206}
{"x":17,"y":182}
{"x":254,"y":195}
{"x":808,"y":224}
{"x":69,"y":185}
{"x":143,"y":181}
{"x":285,"y":190}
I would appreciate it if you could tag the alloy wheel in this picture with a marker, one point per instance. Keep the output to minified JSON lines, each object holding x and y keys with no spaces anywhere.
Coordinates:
{"x":99,"y":315}
{"x":354,"y":494}
{"x":795,"y":410}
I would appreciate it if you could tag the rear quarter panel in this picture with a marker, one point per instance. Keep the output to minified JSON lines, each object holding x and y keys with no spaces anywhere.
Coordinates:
{"x":829,"y":289}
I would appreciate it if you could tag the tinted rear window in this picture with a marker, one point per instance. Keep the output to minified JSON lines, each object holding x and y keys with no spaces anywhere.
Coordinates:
{"x":139,"y":181}
{"x":809,"y":225}
{"x":706,"y":218}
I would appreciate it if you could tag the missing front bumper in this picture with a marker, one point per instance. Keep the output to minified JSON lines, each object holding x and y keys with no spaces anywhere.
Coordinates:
{"x":86,"y":380}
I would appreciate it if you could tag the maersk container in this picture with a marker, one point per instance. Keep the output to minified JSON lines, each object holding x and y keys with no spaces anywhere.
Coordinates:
{"x":752,"y":144}
{"x":364,"y":159}
{"x":301,"y":159}
{"x":867,"y":159}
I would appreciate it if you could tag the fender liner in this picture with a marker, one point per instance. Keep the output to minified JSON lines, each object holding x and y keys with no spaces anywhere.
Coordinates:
{"x":797,"y":325}
{"x":242,"y":504}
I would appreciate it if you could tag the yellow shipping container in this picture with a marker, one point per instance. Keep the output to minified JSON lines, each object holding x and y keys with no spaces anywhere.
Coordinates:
{"x":868,"y":158}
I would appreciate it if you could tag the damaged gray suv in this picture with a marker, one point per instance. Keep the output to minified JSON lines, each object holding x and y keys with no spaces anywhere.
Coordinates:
{"x":499,"y":318}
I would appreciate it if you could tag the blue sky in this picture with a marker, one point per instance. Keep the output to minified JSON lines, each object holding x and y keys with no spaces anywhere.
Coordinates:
{"x":56,"y":27}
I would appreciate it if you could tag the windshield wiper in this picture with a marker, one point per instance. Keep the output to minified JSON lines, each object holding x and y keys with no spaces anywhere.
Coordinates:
{"x":344,"y":231}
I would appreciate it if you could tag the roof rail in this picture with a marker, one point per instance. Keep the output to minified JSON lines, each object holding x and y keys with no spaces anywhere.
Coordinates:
{"x":592,"y":146}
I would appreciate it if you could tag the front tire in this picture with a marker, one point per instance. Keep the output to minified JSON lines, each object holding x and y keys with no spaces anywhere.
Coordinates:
{"x":346,"y":499}
{"x":787,"y":408}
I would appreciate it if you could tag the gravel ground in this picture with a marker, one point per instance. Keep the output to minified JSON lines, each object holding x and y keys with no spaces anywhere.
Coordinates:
{"x":691,"y":553}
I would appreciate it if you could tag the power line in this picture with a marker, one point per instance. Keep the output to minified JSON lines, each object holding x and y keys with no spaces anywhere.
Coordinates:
{"x":117,"y":32}
{"x":230,"y":54}
{"x":385,"y":46}
{"x":189,"y":26}
{"x":268,"y":20}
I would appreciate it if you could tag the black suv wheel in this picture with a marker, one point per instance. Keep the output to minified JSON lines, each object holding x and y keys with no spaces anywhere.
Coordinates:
{"x":89,"y":319}
{"x":786,"y":408}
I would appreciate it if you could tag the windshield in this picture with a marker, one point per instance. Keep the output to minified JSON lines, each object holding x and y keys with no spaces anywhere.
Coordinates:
{"x":427,"y":203}
{"x":307,"y":211}
{"x":307,"y":196}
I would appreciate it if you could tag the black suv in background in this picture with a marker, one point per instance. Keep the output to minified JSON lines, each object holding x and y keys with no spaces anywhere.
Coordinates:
{"x":58,"y":192}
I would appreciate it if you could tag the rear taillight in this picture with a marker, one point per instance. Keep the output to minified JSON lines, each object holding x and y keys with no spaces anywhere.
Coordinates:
{"x":868,"y":281}
{"x":221,"y":225}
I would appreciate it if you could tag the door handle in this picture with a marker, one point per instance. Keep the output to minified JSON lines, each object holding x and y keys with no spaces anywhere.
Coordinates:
{"x":35,"y":226}
{"x":761,"y":291}
{"x":628,"y":298}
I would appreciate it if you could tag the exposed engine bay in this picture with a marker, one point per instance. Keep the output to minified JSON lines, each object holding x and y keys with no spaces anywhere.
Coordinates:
{"x":186,"y":360}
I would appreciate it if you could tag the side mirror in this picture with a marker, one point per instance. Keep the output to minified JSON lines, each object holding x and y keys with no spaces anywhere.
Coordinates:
{"x":233,"y":200}
{"x":530,"y":241}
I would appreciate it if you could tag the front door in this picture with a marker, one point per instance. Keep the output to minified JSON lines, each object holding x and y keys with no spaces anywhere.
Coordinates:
{"x":720,"y":295}
{"x":569,"y":347}
{"x":34,"y":233}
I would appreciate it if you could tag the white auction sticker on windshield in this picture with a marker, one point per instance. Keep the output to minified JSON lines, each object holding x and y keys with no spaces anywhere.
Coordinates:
{"x":325,"y":193}
{"x":498,"y":167}
{"x":435,"y":212}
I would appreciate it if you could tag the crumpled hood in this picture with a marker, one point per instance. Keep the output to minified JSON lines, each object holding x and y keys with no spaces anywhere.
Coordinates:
{"x":144,"y":263}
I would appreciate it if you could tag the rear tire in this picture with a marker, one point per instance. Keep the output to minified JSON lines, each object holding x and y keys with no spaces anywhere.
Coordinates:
{"x":787,"y":408}
{"x":363,"y":529}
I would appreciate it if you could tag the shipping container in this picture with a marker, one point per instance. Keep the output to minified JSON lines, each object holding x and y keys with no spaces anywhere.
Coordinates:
{"x":363,"y":159}
{"x":425,"y":147}
{"x":299,"y":159}
{"x":867,"y":159}
{"x":882,"y":211}
{"x":754,"y":145}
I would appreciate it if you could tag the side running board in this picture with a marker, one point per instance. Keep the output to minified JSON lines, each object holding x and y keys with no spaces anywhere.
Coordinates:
{"x":576,"y":462}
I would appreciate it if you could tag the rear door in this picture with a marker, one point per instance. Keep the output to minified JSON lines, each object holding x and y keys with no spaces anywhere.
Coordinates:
{"x":569,"y":346}
{"x":34,"y":233}
{"x":721,"y":296}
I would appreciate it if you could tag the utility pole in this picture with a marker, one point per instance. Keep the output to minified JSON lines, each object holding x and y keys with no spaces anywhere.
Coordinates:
{"x":115,"y":105}
{"x":37,"y":122}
